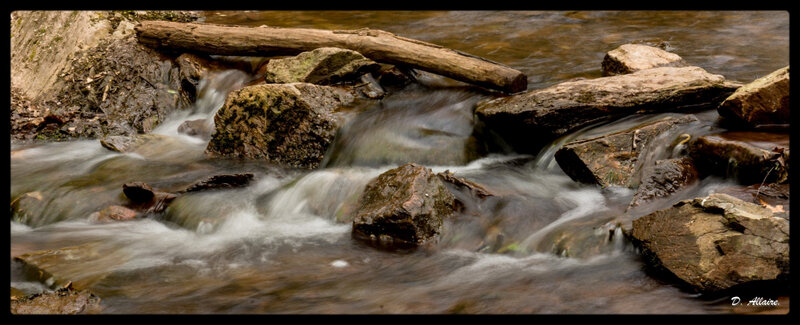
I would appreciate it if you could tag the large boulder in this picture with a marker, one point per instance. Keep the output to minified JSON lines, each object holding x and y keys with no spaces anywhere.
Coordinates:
{"x":325,"y":65}
{"x":630,"y":58}
{"x":716,"y":242}
{"x":764,"y":101}
{"x":404,"y":206}
{"x":749,"y":157}
{"x":614,"y":159}
{"x":529,"y":120}
{"x":290,"y":124}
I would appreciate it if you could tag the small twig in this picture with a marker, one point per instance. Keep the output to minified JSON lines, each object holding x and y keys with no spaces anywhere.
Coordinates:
{"x":758,"y":192}
{"x":148,"y":82}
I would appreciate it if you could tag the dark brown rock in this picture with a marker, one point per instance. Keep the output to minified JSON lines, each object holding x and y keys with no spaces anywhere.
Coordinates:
{"x":403,"y":206}
{"x":764,"y":101}
{"x":630,"y":58}
{"x":665,"y":178}
{"x":613,"y":159}
{"x":138,"y":192}
{"x":220,"y":181}
{"x":716,"y":242}
{"x":64,"y":301}
{"x":474,"y":188}
{"x":529,"y":120}
{"x":749,"y":157}
{"x":289,"y":124}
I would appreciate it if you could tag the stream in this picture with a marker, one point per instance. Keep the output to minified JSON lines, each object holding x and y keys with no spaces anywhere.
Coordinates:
{"x":278,"y":245}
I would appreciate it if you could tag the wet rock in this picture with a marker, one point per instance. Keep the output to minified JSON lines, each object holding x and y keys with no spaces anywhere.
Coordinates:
{"x":64,"y":301}
{"x":474,"y":188}
{"x":614,"y":159}
{"x":369,"y":87}
{"x":404,"y":206}
{"x":220,"y":181}
{"x":771,"y":196}
{"x":58,"y":267}
{"x":129,"y":143}
{"x":144,"y":198}
{"x":393,"y":76}
{"x":764,"y":101}
{"x":529,"y":120}
{"x":749,"y":157}
{"x":27,"y":207}
{"x":716,"y":242}
{"x":288,"y":124}
{"x":630,"y":58}
{"x":665,"y":178}
{"x":114,"y":213}
{"x":138,"y":192}
{"x":324,"y":66}
{"x":200,"y":127}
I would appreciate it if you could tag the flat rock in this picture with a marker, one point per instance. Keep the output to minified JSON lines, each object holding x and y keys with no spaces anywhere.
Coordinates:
{"x":764,"y":101}
{"x":325,"y":65}
{"x":546,"y":114}
{"x":404,"y":206}
{"x":613,"y":159}
{"x":58,"y":267}
{"x":665,"y":178}
{"x":772,"y":196}
{"x":716,"y":242}
{"x":130,"y":143}
{"x":288,"y":124}
{"x":630,"y":58}
{"x":749,"y":157}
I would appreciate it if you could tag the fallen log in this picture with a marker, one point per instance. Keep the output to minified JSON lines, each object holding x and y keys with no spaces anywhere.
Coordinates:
{"x":374,"y":44}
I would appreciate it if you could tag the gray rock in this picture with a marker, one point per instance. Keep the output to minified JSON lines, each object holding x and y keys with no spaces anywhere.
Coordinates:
{"x":529,"y":120}
{"x":613,"y":159}
{"x":326,"y":65}
{"x":764,"y":101}
{"x":630,"y":58}
{"x":200,"y":127}
{"x":404,"y":206}
{"x":716,"y":242}
{"x":288,"y":124}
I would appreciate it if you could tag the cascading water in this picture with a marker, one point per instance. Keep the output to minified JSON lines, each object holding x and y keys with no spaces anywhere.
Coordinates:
{"x":544,"y":244}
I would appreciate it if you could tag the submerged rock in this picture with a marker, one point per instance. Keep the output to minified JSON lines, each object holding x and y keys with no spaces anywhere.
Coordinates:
{"x":529,"y":120}
{"x":129,"y":143}
{"x":613,"y":159}
{"x":63,"y":301}
{"x":665,"y":178}
{"x":325,"y":65}
{"x":403,"y":206}
{"x":474,"y":188}
{"x":27,"y":207}
{"x":200,"y":127}
{"x":58,"y":267}
{"x":749,"y":157}
{"x":114,"y":213}
{"x":144,"y":198}
{"x":716,"y":242}
{"x":764,"y":101}
{"x":634,"y":57}
{"x":289,"y":124}
{"x":771,"y":196}
{"x":220,"y":181}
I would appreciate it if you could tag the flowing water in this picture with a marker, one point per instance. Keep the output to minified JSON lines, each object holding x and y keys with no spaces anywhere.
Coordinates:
{"x":545,"y":244}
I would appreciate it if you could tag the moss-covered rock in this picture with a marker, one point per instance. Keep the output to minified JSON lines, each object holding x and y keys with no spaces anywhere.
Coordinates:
{"x":288,"y":124}
{"x":325,"y":65}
